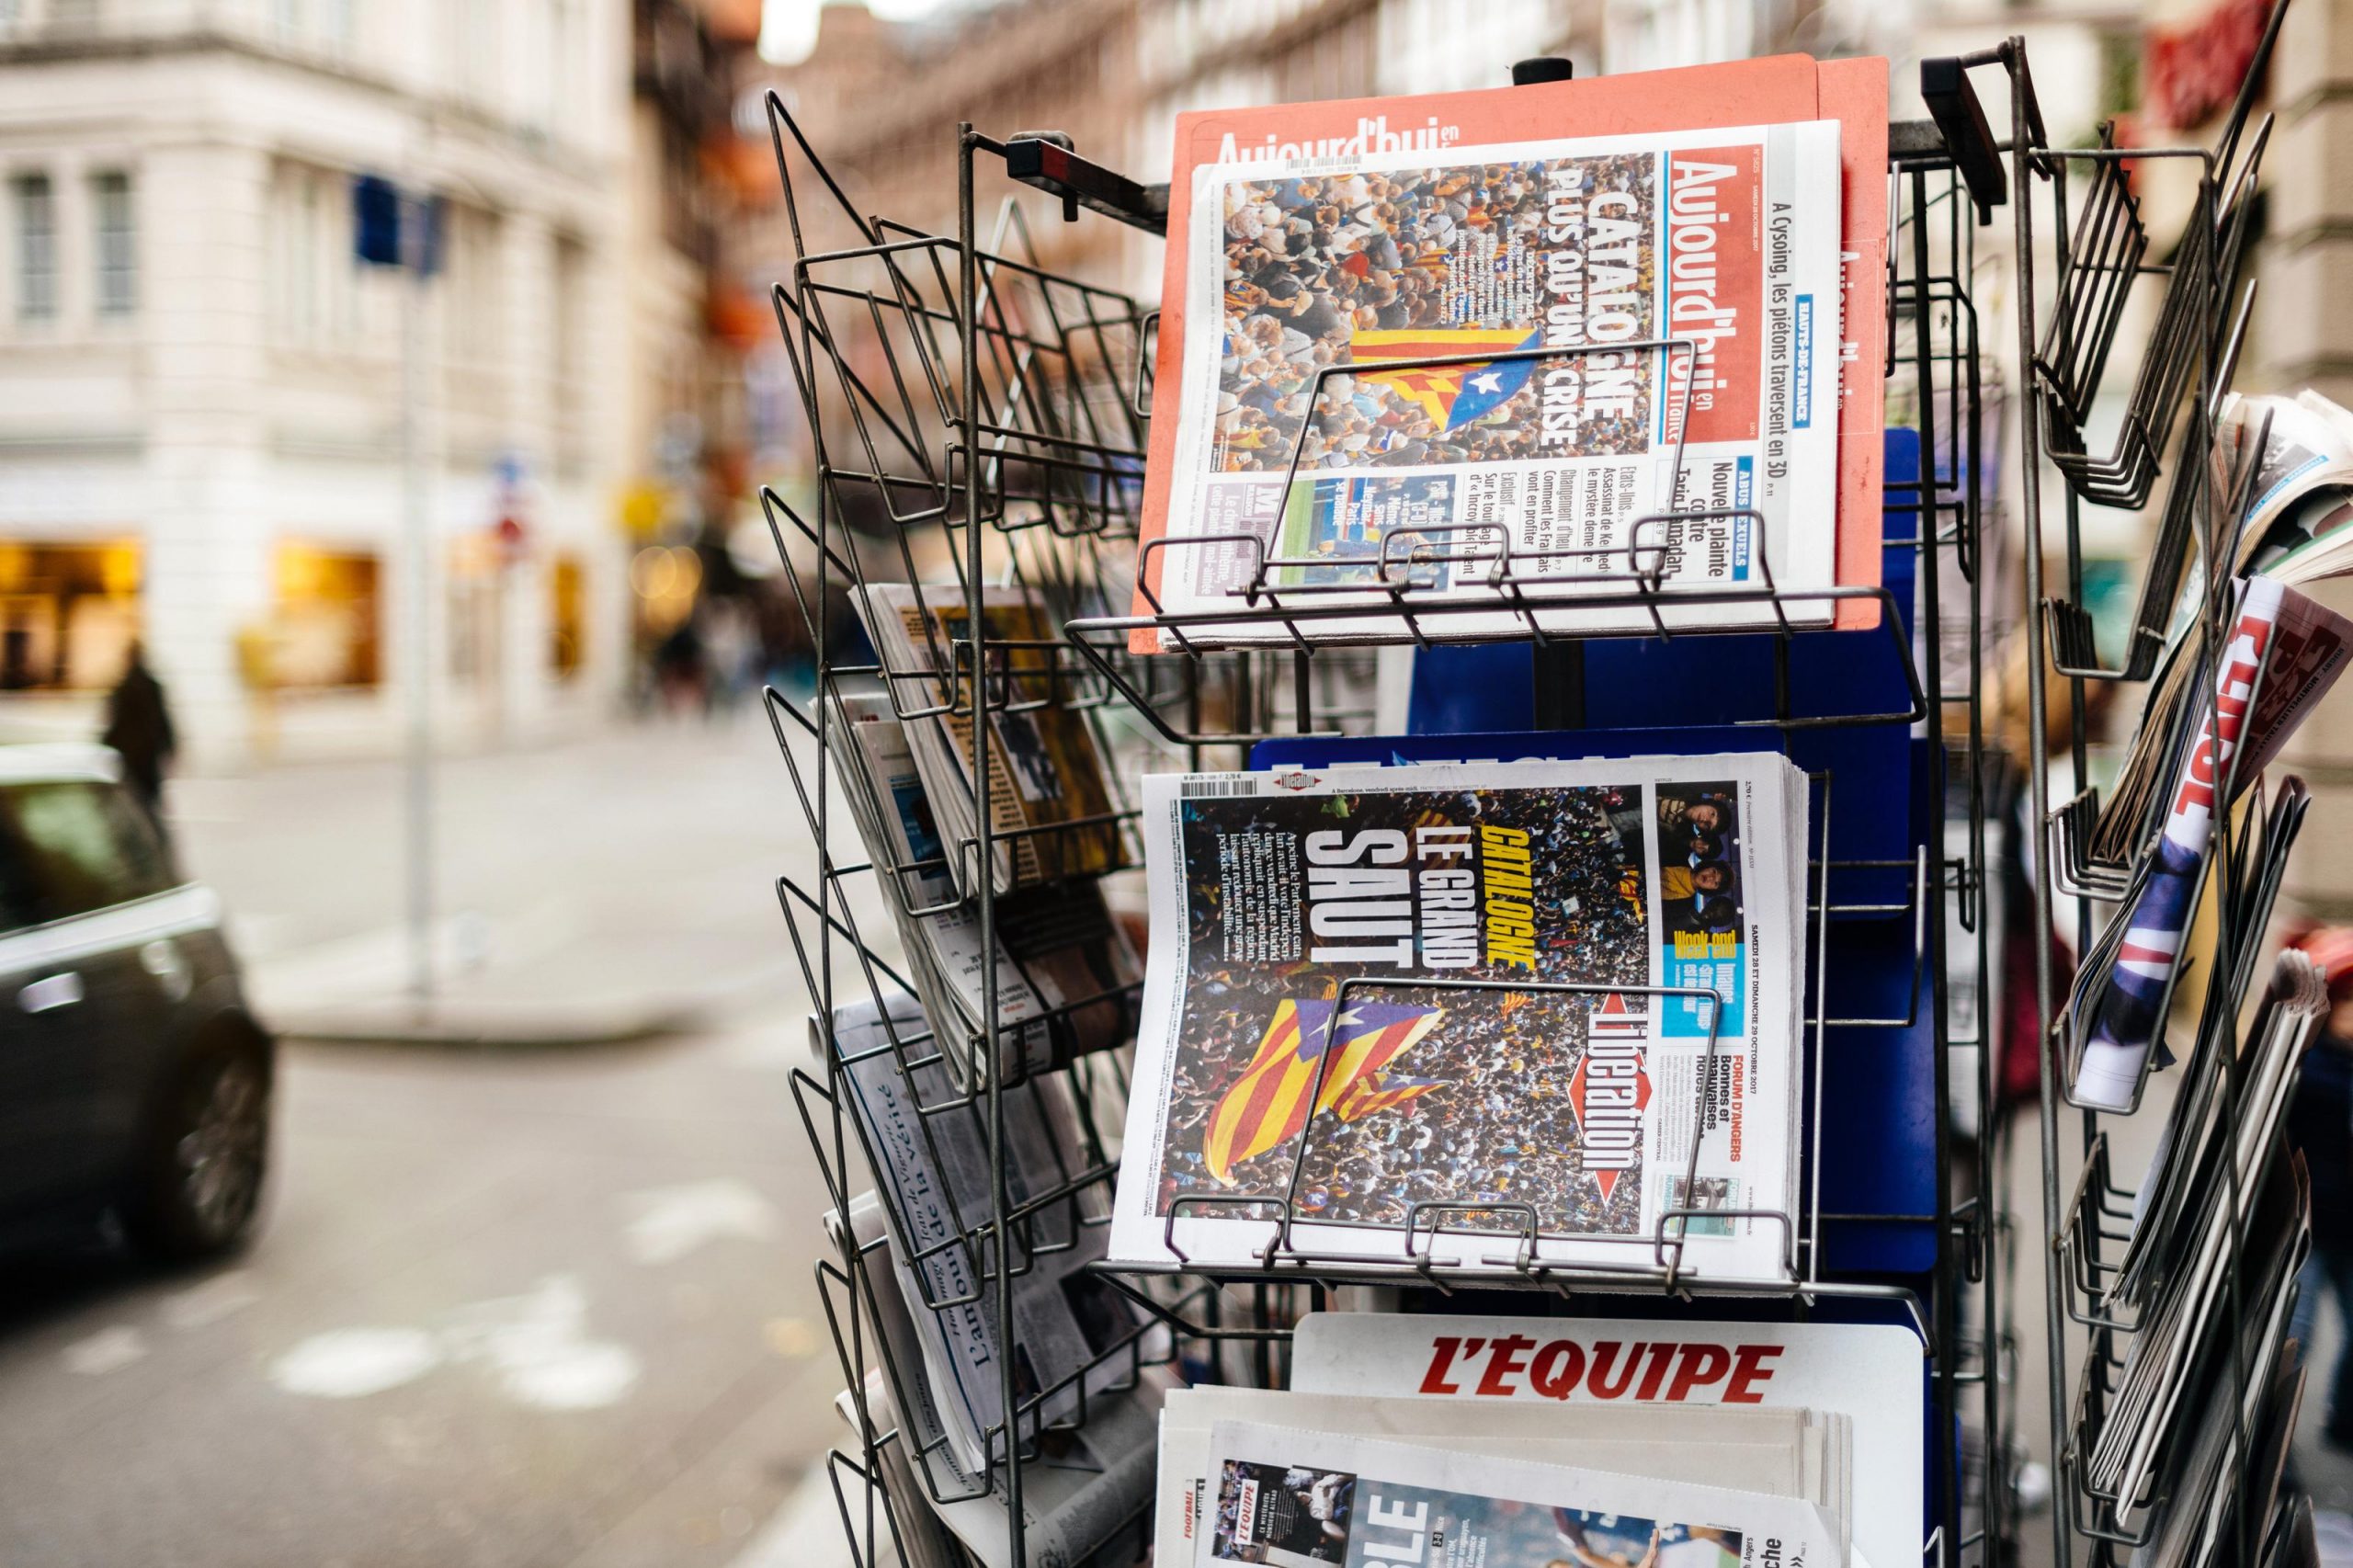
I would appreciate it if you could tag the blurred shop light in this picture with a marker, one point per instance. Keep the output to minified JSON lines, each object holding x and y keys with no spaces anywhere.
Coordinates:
{"x":644,"y":509}
{"x":119,"y":568}
{"x":751,"y":548}
{"x":665,"y":572}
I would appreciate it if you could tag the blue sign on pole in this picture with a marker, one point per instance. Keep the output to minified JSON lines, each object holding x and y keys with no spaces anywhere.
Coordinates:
{"x":376,"y":220}
{"x":378,"y":208}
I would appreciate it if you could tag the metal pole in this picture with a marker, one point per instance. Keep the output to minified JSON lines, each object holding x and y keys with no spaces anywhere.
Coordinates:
{"x":2012,"y":54}
{"x":984,"y":898}
{"x":417,"y":550}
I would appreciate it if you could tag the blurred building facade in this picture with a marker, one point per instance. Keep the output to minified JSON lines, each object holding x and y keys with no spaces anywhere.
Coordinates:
{"x":200,"y":387}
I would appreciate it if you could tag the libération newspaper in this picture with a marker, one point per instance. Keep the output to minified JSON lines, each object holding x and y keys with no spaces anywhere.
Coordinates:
{"x":1450,"y":1090}
{"x":1665,"y":312}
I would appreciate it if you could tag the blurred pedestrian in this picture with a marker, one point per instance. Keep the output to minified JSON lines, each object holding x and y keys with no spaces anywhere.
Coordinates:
{"x":682,"y":668}
{"x":2320,"y":1123}
{"x":139,"y":726}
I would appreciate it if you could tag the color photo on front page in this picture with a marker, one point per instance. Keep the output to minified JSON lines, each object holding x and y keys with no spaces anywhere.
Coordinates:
{"x":1426,"y":1095}
{"x":1298,"y":1517}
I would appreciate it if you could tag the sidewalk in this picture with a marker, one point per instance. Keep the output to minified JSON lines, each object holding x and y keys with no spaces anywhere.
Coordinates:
{"x":609,"y":889}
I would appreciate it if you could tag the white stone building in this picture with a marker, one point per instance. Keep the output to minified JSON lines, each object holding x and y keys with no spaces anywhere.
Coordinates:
{"x":200,"y":389}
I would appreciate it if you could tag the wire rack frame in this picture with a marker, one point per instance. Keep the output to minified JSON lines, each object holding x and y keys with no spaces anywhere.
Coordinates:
{"x":2065,"y":342}
{"x":950,"y":435}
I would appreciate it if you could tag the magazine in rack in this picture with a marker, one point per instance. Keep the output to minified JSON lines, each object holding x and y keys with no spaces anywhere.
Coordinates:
{"x":1049,"y":805}
{"x":1065,"y":972}
{"x":1500,"y":281}
{"x":1445,"y":1097}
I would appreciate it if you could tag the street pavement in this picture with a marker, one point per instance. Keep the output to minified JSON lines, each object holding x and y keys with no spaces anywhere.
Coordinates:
{"x":550,"y":1306}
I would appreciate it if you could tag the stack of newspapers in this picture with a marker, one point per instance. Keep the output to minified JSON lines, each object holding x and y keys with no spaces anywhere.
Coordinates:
{"x":1509,"y":1441}
{"x":1087,"y":1376}
{"x":1487,"y":1016}
{"x":1584,"y":352}
{"x":2208,"y":1280}
{"x":1065,"y":973}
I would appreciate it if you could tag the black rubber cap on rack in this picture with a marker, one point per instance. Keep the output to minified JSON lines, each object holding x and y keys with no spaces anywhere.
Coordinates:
{"x":1544,"y":68}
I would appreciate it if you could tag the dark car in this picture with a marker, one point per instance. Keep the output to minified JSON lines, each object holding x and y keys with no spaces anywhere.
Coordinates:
{"x":133,"y":1077}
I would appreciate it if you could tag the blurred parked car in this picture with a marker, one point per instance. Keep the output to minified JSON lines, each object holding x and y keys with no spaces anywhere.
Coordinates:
{"x":133,"y":1078}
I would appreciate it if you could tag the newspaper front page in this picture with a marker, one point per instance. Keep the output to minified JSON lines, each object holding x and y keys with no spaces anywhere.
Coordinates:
{"x":1298,"y":1499}
{"x":1667,"y":309}
{"x":1571,"y":1114}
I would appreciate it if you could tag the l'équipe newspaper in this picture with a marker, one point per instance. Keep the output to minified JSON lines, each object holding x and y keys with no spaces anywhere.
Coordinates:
{"x":1481,"y":1109}
{"x":1669,"y":304}
{"x":1872,"y":1372}
{"x":1303,"y":1499}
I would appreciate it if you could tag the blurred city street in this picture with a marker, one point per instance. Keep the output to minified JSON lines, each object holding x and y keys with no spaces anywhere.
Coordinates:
{"x":539,"y":1305}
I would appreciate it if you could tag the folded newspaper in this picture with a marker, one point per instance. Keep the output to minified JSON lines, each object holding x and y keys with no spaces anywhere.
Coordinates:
{"x":1081,"y":1489}
{"x":2297,"y":527}
{"x":1073,"y":1333}
{"x":1065,"y":973}
{"x":1589,"y":332}
{"x":1049,"y":806}
{"x":1610,"y":1368}
{"x":1357,"y":1001}
{"x":1303,"y":1499}
{"x":1791,"y":1453}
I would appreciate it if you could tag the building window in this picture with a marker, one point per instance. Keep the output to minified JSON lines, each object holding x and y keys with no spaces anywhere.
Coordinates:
{"x":117,"y":246}
{"x":36,"y":203}
{"x":326,"y":619}
{"x":567,"y":615}
{"x":68,"y":613}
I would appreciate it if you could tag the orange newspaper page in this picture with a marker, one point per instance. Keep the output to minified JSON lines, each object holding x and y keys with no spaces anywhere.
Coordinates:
{"x":1854,"y":93}
{"x":1411,"y":137}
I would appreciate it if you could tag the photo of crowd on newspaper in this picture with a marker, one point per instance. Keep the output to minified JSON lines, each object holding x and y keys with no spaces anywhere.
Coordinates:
{"x":1365,"y":267}
{"x":1431,"y":1096}
{"x":1698,"y":856}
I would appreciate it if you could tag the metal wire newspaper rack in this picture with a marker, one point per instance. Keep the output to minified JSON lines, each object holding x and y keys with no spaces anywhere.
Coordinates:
{"x":980,"y":421}
{"x":2165,"y":431}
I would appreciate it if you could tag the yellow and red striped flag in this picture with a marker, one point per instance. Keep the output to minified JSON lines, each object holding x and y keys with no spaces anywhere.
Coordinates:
{"x":1267,"y":1107}
{"x":1383,"y":1091}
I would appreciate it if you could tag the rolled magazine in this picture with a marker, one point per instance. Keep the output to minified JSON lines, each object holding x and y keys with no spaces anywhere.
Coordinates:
{"x":2281,"y":656}
{"x":1509,"y":1003}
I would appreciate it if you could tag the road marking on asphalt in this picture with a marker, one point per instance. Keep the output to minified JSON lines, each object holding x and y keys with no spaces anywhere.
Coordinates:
{"x":804,"y":1532}
{"x":538,"y":1349}
{"x":109,"y":1350}
{"x":535,"y":1346}
{"x":671,"y":1221}
{"x":352,"y":1363}
{"x":203,"y":1305}
{"x":791,"y":1338}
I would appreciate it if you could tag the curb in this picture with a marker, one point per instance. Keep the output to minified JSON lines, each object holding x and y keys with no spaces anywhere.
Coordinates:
{"x":490,"y":1029}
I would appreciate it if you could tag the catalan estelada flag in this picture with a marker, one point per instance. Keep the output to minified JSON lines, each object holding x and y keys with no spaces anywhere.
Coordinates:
{"x":1453,"y":394}
{"x":1380,"y":1092}
{"x":1267,"y":1105}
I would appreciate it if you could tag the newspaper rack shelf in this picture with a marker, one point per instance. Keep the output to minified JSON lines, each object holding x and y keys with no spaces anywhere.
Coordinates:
{"x":2069,"y":339}
{"x":978,"y":420}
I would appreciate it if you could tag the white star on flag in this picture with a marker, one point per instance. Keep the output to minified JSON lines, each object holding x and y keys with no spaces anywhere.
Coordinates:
{"x":1491,"y":381}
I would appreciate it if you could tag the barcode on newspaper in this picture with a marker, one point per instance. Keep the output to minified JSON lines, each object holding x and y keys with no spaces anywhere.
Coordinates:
{"x":1217,"y":784}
